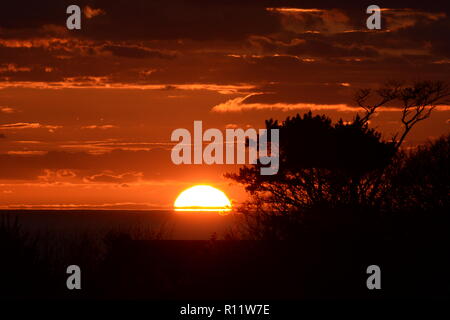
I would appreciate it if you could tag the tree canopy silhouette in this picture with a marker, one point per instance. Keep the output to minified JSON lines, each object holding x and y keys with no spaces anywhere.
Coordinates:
{"x":343,"y":164}
{"x":419,"y":180}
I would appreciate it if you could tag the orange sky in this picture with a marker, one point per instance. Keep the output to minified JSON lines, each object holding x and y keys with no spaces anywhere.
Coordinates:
{"x":86,"y":115}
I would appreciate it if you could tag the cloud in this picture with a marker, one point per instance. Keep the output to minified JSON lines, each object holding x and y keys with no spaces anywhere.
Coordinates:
{"x":20,"y":125}
{"x":295,"y":10}
{"x":93,"y":206}
{"x":105,"y":146}
{"x":91,"y":12}
{"x":28,"y":125}
{"x":405,"y":18}
{"x":304,"y":20}
{"x":12,"y":68}
{"x":57,"y":175}
{"x":27,"y":152}
{"x":332,"y":44}
{"x":240,"y":104}
{"x":108,"y":83}
{"x":327,"y":93}
{"x":108,"y":177}
{"x":159,"y":19}
{"x":231,"y":126}
{"x":7,"y":110}
{"x":116,"y":166}
{"x":322,"y":48}
{"x":136,"y":52}
{"x":102,"y":126}
{"x":237,"y":105}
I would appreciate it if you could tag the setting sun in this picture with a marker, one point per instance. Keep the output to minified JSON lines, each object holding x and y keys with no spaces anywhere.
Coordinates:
{"x":202,"y":198}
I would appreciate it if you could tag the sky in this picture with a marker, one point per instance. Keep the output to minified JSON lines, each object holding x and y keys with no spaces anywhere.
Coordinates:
{"x":86,"y":115}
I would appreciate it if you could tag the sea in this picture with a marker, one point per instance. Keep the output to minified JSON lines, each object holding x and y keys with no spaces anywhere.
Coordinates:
{"x":151,"y":224}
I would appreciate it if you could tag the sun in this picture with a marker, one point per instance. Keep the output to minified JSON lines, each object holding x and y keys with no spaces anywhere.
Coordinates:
{"x":202,"y":198}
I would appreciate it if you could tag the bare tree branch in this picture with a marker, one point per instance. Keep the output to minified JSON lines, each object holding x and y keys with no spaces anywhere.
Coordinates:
{"x":384,"y":95}
{"x":418,"y":101}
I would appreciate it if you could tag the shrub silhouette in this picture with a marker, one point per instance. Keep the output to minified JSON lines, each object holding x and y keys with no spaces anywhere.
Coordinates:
{"x":416,"y":193}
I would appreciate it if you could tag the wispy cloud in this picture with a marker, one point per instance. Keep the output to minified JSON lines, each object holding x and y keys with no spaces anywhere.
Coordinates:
{"x":7,"y":110}
{"x":92,"y":12}
{"x":237,"y":105}
{"x":294,"y":10}
{"x":74,"y":206}
{"x":108,"y":177}
{"x":101,"y":126}
{"x":107,"y":83}
{"x":11,"y":67}
{"x":28,"y":125}
{"x":27,"y":152}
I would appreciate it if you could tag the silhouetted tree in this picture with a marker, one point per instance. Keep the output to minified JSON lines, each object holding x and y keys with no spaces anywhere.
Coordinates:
{"x":416,"y":102}
{"x":329,"y":166}
{"x":419,"y":180}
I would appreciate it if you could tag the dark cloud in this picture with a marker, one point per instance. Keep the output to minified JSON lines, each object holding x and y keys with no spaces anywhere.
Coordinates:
{"x":433,"y":33}
{"x":32,"y":14}
{"x":200,"y":20}
{"x":178,"y":19}
{"x":140,"y":19}
{"x":136,"y":52}
{"x":319,"y":48}
{"x":356,"y":5}
{"x":225,"y":42}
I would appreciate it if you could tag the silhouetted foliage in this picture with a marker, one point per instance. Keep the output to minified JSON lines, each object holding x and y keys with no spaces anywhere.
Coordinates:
{"x":419,"y":180}
{"x":319,"y":163}
{"x":325,"y":262}
{"x":339,"y":172}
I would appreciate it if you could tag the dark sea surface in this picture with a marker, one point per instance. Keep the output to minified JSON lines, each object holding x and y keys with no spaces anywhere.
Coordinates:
{"x":167,"y":224}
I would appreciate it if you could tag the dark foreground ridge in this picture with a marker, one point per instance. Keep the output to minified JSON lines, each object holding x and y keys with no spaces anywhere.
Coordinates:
{"x":227,"y":269}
